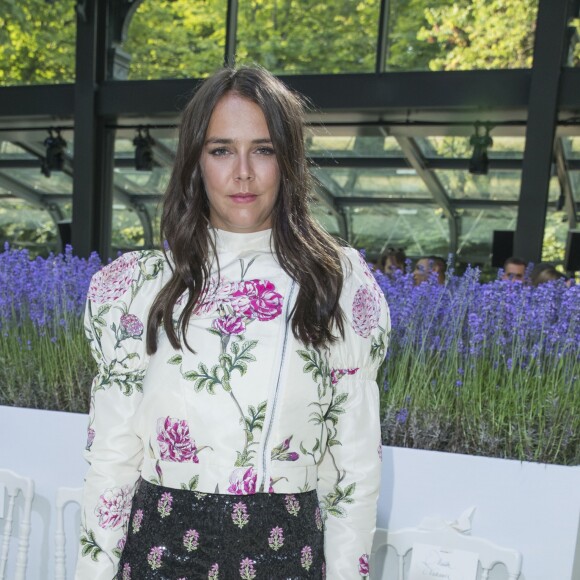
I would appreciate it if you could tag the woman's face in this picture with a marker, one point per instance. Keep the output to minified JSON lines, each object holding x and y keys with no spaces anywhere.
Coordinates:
{"x":239,"y":167}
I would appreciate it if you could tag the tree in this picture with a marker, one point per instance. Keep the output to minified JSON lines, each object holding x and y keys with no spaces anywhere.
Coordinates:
{"x":482,"y":34}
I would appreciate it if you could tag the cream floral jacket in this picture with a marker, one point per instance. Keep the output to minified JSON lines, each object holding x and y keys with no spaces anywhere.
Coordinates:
{"x":253,"y":410}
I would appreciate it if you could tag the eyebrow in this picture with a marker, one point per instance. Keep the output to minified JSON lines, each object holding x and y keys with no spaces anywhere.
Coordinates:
{"x":224,"y":141}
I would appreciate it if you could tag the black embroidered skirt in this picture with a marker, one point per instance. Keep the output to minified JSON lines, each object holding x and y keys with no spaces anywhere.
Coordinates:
{"x":184,"y":535}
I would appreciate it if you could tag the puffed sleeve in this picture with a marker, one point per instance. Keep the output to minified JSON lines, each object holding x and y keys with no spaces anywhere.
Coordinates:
{"x":118,"y":303}
{"x":349,"y":473}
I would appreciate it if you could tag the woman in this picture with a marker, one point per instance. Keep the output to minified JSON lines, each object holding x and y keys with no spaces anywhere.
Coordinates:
{"x":234,"y":427}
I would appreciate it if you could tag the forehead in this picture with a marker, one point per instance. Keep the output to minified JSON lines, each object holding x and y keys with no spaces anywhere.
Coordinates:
{"x":515,"y":267}
{"x":234,"y":115}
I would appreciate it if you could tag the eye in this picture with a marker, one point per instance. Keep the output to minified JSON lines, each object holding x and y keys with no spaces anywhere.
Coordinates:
{"x":219,"y":151}
{"x":265,"y":150}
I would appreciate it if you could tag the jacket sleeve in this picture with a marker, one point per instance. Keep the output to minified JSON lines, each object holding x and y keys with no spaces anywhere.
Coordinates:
{"x":349,"y":473}
{"x":115,"y":319}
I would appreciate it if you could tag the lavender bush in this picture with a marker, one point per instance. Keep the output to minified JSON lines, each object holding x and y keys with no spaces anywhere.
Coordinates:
{"x":44,"y":357}
{"x":487,"y":369}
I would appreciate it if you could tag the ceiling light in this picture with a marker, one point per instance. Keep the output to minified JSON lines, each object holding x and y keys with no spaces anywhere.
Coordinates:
{"x":54,"y":158}
{"x":480,"y":141}
{"x":143,"y":150}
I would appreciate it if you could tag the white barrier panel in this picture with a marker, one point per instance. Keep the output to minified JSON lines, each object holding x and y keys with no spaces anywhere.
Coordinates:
{"x":530,"y":507}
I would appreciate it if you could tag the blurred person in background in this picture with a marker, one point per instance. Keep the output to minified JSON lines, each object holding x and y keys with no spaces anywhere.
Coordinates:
{"x":514,"y":270}
{"x":393,"y":260}
{"x":426,"y":266}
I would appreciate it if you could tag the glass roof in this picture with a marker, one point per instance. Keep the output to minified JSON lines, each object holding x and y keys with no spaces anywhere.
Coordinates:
{"x":459,"y":147}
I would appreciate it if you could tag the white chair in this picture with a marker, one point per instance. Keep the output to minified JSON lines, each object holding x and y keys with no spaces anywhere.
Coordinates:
{"x":402,"y":541}
{"x":64,"y":495}
{"x":15,"y":484}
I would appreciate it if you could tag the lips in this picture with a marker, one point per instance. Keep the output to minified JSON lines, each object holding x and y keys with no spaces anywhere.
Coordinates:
{"x":243,"y":197}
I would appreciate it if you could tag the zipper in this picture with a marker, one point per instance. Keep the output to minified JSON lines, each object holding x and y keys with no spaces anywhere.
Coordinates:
{"x":266,"y":472}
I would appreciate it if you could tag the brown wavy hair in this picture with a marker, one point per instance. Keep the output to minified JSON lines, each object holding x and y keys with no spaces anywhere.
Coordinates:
{"x":306,"y":253}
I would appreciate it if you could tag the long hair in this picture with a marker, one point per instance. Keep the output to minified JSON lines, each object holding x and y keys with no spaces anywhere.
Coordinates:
{"x":306,"y":253}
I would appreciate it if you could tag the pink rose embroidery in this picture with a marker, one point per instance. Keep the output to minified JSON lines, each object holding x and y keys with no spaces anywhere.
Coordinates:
{"x":229,"y":325}
{"x":366,"y":310}
{"x":257,"y":299}
{"x":110,"y":283}
{"x":131,"y":325}
{"x":243,"y":481}
{"x":363,"y":565}
{"x":114,"y":507}
{"x":175,"y":443}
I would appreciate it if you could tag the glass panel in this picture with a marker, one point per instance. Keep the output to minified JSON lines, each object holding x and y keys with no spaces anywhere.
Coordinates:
{"x":178,"y":39}
{"x":352,"y":146}
{"x":58,"y":182}
{"x":37,"y":42}
{"x":373,"y":182}
{"x":420,"y":230}
{"x":25,"y":226}
{"x":448,"y":35}
{"x":308,"y":36}
{"x":127,"y":229}
{"x":476,"y":233}
{"x":555,"y":236}
{"x":142,"y":182}
{"x":459,"y":147}
{"x":325,"y":218}
{"x":575,"y":180}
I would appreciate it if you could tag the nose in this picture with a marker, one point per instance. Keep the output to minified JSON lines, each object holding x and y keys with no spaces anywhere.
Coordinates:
{"x":244,"y":170}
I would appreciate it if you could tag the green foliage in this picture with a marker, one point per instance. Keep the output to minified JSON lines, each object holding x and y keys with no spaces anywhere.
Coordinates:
{"x":482,"y":34}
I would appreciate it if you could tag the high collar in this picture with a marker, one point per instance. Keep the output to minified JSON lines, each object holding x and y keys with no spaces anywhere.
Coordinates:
{"x":235,"y":242}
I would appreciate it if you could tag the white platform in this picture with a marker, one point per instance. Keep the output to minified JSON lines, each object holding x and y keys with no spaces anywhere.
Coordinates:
{"x":530,"y":507}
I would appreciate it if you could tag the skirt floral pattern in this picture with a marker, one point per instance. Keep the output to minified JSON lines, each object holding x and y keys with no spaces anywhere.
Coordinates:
{"x":185,"y":535}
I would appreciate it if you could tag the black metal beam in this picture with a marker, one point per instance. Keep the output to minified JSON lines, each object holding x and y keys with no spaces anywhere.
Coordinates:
{"x":94,"y":144}
{"x":382,"y":37}
{"x":550,"y":50}
{"x":231,"y":33}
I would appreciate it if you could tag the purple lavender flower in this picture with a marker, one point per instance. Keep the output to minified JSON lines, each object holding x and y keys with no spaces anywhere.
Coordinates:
{"x":247,"y":570}
{"x":276,"y":539}
{"x":164,"y":505}
{"x":191,"y":540}
{"x":240,"y":515}
{"x":154,"y":557}
{"x":137,"y":520}
{"x":292,"y":505}
{"x":306,"y":557}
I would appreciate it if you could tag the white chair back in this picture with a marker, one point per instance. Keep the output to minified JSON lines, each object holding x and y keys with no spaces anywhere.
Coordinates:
{"x":402,"y":542}
{"x":64,"y":495}
{"x":15,"y":484}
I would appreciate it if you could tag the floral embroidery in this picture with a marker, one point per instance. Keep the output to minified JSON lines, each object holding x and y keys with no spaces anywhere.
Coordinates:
{"x":292,"y":505}
{"x":323,"y":570}
{"x":247,"y":571}
{"x":337,"y":374}
{"x":281,"y":453}
{"x":243,"y":481}
{"x":164,"y":505}
{"x":363,"y":565}
{"x":257,"y":299}
{"x":240,"y":515}
{"x":90,"y":438}
{"x":175,"y":443}
{"x":229,"y":325}
{"x":126,"y":572}
{"x":318,"y":519}
{"x":114,"y":507}
{"x":213,"y":573}
{"x":306,"y":557}
{"x":154,"y":557}
{"x":380,"y":451}
{"x":137,"y":520}
{"x":113,"y":281}
{"x":366,"y":311}
{"x":131,"y":326}
{"x":191,"y":540}
{"x":276,"y":539}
